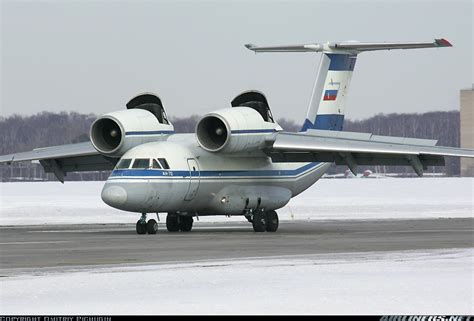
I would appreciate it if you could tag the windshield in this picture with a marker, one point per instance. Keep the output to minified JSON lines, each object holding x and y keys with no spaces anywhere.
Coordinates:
{"x":123,"y":163}
{"x":141,"y":163}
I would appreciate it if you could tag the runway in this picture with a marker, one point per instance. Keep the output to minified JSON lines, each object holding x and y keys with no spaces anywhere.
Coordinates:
{"x":27,"y":249}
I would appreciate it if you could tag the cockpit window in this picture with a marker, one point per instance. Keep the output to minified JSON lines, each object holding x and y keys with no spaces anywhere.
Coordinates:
{"x":164,"y":163}
{"x":123,"y":163}
{"x":165,"y":118}
{"x":155,"y":164}
{"x":270,"y":116}
{"x":141,"y":163}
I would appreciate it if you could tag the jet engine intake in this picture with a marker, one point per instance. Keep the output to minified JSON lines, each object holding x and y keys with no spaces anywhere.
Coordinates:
{"x":234,"y":130}
{"x":114,"y":133}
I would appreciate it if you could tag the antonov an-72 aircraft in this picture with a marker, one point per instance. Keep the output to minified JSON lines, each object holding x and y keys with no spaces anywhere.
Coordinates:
{"x":239,"y":161}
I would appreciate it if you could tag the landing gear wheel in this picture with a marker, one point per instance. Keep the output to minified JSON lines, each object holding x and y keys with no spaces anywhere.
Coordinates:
{"x":172,"y":222}
{"x":186,"y":223}
{"x":152,"y":227}
{"x":259,"y":222}
{"x":141,"y":227}
{"x":272,"y":221}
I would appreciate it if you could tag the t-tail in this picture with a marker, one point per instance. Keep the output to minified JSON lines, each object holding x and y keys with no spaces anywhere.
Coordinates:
{"x":326,"y":107}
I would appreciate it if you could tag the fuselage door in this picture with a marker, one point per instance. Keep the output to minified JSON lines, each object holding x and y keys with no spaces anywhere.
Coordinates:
{"x":194,"y":179}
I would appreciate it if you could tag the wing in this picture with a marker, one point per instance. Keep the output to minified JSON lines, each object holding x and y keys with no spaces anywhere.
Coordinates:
{"x":65,"y":158}
{"x":353,"y":149}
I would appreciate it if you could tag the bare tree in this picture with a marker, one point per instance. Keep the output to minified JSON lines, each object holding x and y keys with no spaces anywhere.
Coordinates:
{"x":23,"y":133}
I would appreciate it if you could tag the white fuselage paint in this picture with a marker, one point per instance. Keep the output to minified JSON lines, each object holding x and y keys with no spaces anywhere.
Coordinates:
{"x":206,"y":183}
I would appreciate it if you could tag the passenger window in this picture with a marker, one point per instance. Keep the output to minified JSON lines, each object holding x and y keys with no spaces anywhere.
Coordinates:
{"x":123,"y":163}
{"x":155,"y":164}
{"x":141,"y":163}
{"x":164,"y":163}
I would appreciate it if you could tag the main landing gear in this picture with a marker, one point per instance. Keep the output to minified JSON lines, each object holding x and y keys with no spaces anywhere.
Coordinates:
{"x":264,"y":220}
{"x":143,"y":227}
{"x":176,"y":222}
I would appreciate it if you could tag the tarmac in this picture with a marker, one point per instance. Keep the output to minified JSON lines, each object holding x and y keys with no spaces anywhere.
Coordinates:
{"x":37,"y":249}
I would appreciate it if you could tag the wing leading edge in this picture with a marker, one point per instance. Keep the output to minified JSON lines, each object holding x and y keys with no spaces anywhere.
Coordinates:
{"x":60,"y":160}
{"x":353,"y":149}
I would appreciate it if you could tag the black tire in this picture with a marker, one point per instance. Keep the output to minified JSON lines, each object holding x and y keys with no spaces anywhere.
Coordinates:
{"x":172,"y":222}
{"x":186,"y":223}
{"x":259,"y":222}
{"x":141,"y":228}
{"x":152,"y":227}
{"x":272,"y":221}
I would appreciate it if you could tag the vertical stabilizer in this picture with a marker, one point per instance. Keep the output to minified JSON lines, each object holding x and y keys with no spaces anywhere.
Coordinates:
{"x":326,"y":107}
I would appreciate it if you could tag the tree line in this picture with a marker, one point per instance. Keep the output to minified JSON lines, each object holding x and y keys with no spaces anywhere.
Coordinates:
{"x":24,"y":133}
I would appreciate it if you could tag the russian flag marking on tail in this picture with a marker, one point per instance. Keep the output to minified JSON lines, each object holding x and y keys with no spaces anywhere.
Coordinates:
{"x":330,"y":95}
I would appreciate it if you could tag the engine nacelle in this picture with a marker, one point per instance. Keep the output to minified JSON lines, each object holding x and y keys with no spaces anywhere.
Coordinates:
{"x":114,"y":133}
{"x":234,"y":130}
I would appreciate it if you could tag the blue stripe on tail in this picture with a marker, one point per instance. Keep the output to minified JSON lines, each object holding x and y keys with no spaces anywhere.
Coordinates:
{"x":329,"y":122}
{"x":307,"y":125}
{"x":326,"y":122}
{"x":341,"y":62}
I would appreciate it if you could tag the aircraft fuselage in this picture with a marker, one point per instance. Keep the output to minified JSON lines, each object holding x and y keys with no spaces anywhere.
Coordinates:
{"x":205,"y":183}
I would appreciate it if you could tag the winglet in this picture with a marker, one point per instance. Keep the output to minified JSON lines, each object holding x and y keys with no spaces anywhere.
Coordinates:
{"x":443,"y":42}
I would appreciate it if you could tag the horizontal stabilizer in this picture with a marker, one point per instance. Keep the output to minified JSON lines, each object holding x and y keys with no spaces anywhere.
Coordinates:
{"x":290,"y":48}
{"x":350,"y":46}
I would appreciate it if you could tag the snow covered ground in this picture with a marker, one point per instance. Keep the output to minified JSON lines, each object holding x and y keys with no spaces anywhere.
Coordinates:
{"x":404,"y":282}
{"x":390,"y":198}
{"x":409,"y":282}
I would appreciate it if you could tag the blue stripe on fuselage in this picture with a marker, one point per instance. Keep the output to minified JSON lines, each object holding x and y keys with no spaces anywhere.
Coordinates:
{"x":215,"y":174}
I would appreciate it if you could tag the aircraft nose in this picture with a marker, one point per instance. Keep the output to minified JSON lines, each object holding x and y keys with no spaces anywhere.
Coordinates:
{"x":114,"y":196}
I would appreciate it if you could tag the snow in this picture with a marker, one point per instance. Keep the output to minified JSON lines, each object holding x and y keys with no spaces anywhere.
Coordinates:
{"x":404,"y":282}
{"x":407,"y":282}
{"x":359,"y":198}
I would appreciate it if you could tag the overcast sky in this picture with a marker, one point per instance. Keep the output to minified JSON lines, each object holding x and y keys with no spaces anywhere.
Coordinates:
{"x":93,"y":56}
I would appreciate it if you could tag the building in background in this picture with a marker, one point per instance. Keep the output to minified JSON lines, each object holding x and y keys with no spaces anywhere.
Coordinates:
{"x":467,"y":129}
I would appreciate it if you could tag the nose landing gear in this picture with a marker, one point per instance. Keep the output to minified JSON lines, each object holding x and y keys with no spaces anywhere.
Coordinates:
{"x":143,"y":227}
